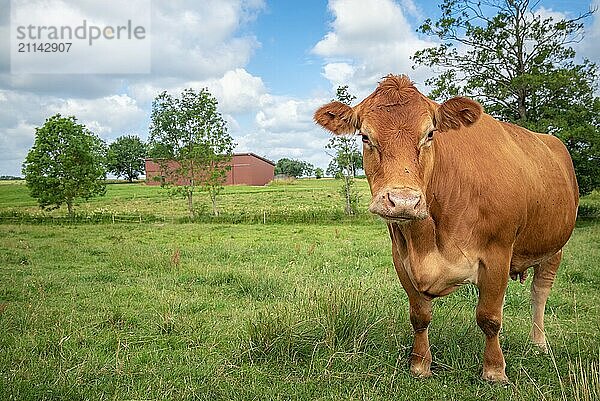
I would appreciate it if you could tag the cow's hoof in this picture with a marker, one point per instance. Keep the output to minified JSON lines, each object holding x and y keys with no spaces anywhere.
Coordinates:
{"x":539,"y":340}
{"x":541,"y":346}
{"x":420,"y":371}
{"x":495,"y":377}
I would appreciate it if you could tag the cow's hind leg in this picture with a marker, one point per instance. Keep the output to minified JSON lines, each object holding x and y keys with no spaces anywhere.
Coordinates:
{"x":543,"y":277}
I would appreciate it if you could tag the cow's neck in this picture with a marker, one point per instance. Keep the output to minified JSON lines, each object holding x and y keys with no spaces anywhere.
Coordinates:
{"x":432,"y":262}
{"x":415,"y":242}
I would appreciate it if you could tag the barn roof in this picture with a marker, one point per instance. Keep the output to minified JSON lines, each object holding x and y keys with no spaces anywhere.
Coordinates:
{"x":255,"y":155}
{"x":238,"y":154}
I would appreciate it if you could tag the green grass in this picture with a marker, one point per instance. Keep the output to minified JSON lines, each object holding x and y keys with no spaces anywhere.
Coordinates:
{"x":309,"y":311}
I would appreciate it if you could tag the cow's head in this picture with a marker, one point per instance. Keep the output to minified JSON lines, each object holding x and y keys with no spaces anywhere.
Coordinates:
{"x":398,"y":126}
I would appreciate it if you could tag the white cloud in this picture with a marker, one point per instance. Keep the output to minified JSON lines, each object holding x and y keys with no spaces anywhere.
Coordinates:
{"x":197,"y":39}
{"x":280,"y":126}
{"x":338,"y":73}
{"x":412,"y":9}
{"x":124,"y":56}
{"x":545,"y":13}
{"x":306,"y":145}
{"x":367,"y":43}
{"x":236,"y":91}
{"x":588,"y":46}
{"x":232,"y":124}
{"x":18,"y":120}
{"x":108,"y":117}
{"x":279,"y":114}
{"x":191,"y":40}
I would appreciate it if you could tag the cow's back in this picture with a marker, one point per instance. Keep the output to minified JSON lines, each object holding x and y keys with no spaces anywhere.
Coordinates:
{"x":499,"y":182}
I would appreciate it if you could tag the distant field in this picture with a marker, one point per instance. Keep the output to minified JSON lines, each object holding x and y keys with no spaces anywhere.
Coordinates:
{"x":209,"y":311}
{"x":318,"y":197}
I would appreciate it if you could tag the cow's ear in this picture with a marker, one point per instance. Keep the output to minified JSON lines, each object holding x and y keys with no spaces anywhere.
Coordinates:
{"x":456,"y":112}
{"x":338,"y":118}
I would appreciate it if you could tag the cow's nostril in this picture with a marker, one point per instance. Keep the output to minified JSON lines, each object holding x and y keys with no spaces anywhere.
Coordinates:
{"x":389,"y":199}
{"x":418,"y":203}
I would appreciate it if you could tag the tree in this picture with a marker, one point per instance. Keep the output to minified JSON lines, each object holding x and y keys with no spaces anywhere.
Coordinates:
{"x":318,"y":173}
{"x":293,"y":168}
{"x":126,"y":156}
{"x":351,"y":157}
{"x":521,"y":66}
{"x":346,"y":158}
{"x":66,"y":162}
{"x":189,"y":139}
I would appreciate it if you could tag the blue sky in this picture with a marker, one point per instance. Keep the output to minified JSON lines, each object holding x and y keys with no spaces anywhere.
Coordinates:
{"x":269,"y":63}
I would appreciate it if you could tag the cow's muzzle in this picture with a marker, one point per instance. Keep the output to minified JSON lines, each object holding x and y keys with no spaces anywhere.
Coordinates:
{"x":400,"y":204}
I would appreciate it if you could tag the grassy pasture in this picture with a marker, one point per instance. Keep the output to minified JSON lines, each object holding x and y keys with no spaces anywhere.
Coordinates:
{"x":319,"y":198}
{"x":167,"y":310}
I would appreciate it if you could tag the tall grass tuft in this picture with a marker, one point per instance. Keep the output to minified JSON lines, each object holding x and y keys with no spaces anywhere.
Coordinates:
{"x":585,"y":380}
{"x":278,"y":335}
{"x":339,"y":321}
{"x":350,"y":321}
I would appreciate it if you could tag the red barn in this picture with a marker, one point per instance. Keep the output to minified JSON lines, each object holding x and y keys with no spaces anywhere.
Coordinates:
{"x":246,"y":168}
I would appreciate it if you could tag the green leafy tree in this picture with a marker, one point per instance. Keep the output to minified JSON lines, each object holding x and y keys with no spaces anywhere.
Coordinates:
{"x":189,"y":131}
{"x":318,"y":173}
{"x":126,"y":157}
{"x":346,"y":158}
{"x":350,"y":156}
{"x":521,"y":66}
{"x":66,"y":162}
{"x":293,"y":168}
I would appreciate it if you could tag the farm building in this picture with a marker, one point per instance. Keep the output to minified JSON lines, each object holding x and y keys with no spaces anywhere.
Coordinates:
{"x":246,"y":168}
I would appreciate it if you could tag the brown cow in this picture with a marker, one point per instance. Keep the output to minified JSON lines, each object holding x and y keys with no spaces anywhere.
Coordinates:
{"x":467,"y":199}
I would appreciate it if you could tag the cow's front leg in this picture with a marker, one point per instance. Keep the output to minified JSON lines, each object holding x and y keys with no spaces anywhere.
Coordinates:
{"x":420,"y":317}
{"x":492,"y":282}
{"x":420,"y":310}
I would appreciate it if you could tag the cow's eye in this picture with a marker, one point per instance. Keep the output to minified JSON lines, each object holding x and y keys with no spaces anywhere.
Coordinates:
{"x":365,"y":138}
{"x":426,"y":141}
